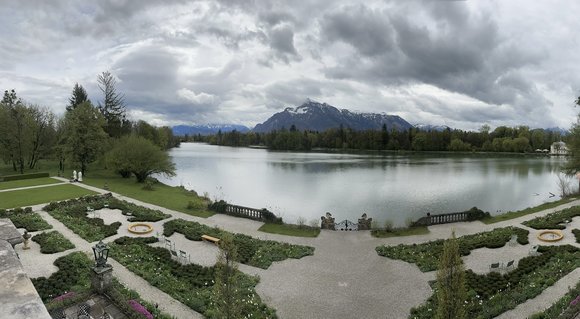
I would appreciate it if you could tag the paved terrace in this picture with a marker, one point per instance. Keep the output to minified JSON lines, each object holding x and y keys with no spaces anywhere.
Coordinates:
{"x":344,"y":279}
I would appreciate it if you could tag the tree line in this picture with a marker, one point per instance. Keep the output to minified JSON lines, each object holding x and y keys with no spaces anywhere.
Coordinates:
{"x":86,"y":132}
{"x":520,"y":139}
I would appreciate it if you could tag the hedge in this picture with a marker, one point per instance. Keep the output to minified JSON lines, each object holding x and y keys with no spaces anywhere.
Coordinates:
{"x":23,"y":176}
{"x":25,"y":218}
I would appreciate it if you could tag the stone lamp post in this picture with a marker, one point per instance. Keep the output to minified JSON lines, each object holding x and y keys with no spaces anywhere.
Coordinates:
{"x":102,"y":272}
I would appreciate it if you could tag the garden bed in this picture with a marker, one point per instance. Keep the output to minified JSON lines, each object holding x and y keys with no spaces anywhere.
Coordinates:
{"x":52,"y":242}
{"x":492,"y":294}
{"x":190,"y":284}
{"x":251,"y":251}
{"x":25,"y":218}
{"x":555,"y":220}
{"x":290,"y":230}
{"x":137,"y":213}
{"x":73,"y":275}
{"x":426,"y":255}
{"x":73,"y":213}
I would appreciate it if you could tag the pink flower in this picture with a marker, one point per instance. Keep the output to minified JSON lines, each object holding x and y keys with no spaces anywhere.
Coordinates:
{"x":575,"y":301}
{"x":64,"y":296}
{"x":140,"y":309}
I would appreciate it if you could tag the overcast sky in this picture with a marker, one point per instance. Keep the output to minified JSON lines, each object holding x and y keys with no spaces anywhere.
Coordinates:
{"x":457,"y":63}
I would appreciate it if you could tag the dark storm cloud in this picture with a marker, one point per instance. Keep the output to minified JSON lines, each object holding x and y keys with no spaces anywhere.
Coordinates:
{"x":434,"y":42}
{"x":365,"y":29}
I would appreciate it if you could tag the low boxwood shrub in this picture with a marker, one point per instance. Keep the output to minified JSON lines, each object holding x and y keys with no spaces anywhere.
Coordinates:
{"x":554,"y":220}
{"x":25,"y":218}
{"x":426,"y":255}
{"x":492,"y":294}
{"x":52,"y":242}
{"x":576,"y":233}
{"x":73,"y":275}
{"x":190,"y":284}
{"x":137,"y":213}
{"x":73,"y":213}
{"x":251,"y":251}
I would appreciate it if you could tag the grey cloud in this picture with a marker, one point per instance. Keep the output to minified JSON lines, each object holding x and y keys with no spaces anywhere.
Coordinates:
{"x":282,"y":42}
{"x":365,"y":29}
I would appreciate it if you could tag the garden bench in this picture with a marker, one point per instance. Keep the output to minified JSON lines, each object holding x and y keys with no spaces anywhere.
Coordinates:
{"x":510,"y":264}
{"x":210,"y":239}
{"x":495,"y":266}
{"x":169,"y":244}
{"x":183,"y":256}
{"x":513,"y":241}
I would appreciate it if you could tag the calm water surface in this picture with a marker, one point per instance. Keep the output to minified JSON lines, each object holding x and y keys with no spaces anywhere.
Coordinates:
{"x":394,"y":187}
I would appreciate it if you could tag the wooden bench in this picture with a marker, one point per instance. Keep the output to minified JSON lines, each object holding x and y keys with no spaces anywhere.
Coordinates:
{"x":210,"y":239}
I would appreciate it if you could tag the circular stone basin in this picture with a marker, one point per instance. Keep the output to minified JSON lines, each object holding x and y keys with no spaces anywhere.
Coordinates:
{"x":140,"y":228}
{"x":550,"y":235}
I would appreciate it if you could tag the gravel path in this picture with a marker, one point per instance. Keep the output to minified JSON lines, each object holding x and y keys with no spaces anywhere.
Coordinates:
{"x":346,"y":278}
{"x":545,"y":299}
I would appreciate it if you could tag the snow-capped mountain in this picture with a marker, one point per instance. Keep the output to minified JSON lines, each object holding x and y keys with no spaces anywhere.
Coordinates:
{"x":316,"y":116}
{"x":207,"y":129}
{"x":428,"y":127}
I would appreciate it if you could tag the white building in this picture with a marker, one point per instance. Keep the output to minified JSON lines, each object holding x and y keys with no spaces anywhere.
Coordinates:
{"x":558,"y":148}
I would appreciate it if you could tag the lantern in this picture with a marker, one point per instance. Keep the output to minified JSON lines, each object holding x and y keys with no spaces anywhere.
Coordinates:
{"x":101,"y":252}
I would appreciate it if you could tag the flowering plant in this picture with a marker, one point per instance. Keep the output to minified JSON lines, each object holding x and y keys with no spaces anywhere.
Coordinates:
{"x":135,"y":305}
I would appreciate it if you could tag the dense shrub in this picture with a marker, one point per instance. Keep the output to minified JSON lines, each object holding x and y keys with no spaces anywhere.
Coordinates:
{"x":426,"y":255}
{"x":576,"y":233}
{"x":251,"y":251}
{"x":191,"y":284}
{"x":52,"y":242}
{"x":23,"y":176}
{"x":72,"y":275}
{"x":476,"y":214}
{"x":493,"y":294}
{"x":219,"y":206}
{"x":554,"y":220}
{"x":25,"y":218}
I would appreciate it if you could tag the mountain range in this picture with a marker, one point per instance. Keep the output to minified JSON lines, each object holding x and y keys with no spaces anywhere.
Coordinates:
{"x":207,"y":129}
{"x":316,"y":116}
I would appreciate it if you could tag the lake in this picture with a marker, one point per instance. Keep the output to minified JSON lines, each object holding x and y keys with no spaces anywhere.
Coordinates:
{"x":386,"y":186}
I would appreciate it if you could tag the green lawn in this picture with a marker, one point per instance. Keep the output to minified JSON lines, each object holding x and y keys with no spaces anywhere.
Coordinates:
{"x":527,"y":211}
{"x":399,"y":232}
{"x":175,"y":198}
{"x":41,"y":195}
{"x":290,"y":230}
{"x":28,"y":182}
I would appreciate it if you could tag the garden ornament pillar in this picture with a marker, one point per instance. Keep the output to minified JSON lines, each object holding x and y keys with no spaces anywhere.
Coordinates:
{"x":80,"y":176}
{"x":102,"y":272}
{"x":26,"y":237}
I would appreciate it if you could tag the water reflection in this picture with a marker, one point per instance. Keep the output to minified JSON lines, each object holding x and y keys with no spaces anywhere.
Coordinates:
{"x":385,"y":186}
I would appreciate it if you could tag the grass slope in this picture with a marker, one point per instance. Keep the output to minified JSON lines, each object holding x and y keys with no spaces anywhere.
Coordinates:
{"x":41,"y":195}
{"x":527,"y":211}
{"x":175,"y":198}
{"x":28,"y":182}
{"x":290,"y":230}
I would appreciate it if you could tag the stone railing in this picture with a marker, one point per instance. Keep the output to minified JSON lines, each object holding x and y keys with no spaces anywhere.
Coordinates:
{"x":470,"y":215}
{"x":244,"y":211}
